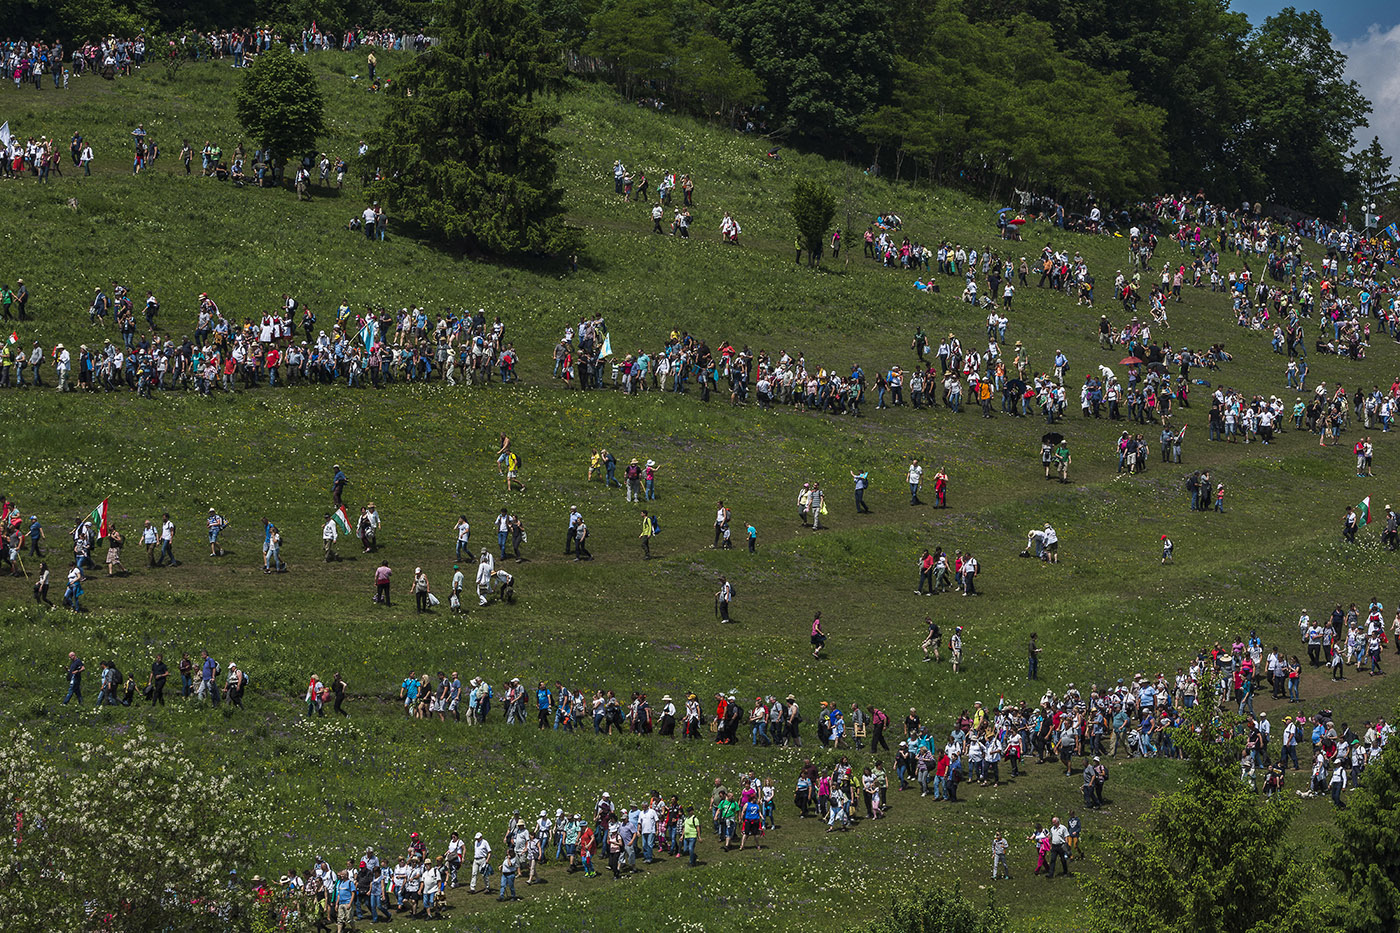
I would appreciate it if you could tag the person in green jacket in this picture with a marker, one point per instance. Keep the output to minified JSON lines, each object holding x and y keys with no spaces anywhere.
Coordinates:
{"x":690,"y":834}
{"x":648,"y":531}
{"x":728,"y":812}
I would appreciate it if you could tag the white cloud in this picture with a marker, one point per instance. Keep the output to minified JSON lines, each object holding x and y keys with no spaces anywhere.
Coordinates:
{"x":1373,"y":61}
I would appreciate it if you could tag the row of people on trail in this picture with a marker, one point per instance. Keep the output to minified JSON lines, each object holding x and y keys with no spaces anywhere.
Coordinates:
{"x":375,"y":346}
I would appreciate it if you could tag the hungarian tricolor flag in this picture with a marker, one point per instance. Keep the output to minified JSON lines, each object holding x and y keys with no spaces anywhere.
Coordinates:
{"x":342,"y":521}
{"x":1363,"y":509}
{"x":99,"y":520}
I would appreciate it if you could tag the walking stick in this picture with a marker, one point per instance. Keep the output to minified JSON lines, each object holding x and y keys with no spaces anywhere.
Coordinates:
{"x":20,"y":560}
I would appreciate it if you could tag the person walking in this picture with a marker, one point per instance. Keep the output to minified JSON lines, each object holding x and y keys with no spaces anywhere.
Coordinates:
{"x":862,"y":481}
{"x":940,"y":489}
{"x":381,"y":583}
{"x":41,"y":585}
{"x":481,"y":863}
{"x":75,"y":679}
{"x":722,"y":517}
{"x":818,"y":636}
{"x":1033,"y":659}
{"x":1000,"y":846}
{"x":150,"y":539}
{"x":916,"y":476}
{"x":167,"y":543}
{"x":159,"y":673}
{"x":648,"y":532}
{"x":329,"y":534}
{"x":723,"y":597}
{"x":464,"y":533}
{"x":338,"y":687}
{"x":420,"y":589}
{"x":216,"y":525}
{"x":1059,"y":847}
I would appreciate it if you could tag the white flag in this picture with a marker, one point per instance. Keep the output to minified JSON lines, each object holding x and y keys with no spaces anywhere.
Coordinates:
{"x":607,"y":345}
{"x":5,"y":132}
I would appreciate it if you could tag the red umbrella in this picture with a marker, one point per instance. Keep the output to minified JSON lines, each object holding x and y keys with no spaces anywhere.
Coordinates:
{"x":1016,"y":221}
{"x":1129,"y":361}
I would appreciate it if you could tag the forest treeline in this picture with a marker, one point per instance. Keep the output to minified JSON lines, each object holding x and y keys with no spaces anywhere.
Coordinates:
{"x":1071,"y":97}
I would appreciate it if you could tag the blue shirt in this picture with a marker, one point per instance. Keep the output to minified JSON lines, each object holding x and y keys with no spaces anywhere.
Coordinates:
{"x":542,"y":698}
{"x":345,"y":891}
{"x":411,"y":687}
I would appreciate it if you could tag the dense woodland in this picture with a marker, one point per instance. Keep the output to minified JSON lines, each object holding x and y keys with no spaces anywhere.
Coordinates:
{"x":1070,"y":97}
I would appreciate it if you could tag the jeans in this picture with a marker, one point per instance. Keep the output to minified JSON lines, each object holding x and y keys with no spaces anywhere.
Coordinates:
{"x":648,"y":842}
{"x":650,"y":485}
{"x":462,"y":546}
{"x":913,"y":493}
{"x":501,"y":540}
{"x":1293,"y":688}
{"x":507,"y":881}
{"x":760,"y":734}
{"x":688,"y":848}
{"x":75,"y":692}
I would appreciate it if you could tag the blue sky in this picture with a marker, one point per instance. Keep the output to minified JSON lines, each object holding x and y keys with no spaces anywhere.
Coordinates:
{"x":1369,"y":34}
{"x":1348,"y":19}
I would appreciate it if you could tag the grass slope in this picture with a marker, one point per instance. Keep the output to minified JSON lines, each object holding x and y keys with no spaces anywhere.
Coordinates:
{"x":425,"y":454}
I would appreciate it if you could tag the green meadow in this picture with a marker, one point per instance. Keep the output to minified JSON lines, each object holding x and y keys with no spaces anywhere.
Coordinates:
{"x":426,"y":453}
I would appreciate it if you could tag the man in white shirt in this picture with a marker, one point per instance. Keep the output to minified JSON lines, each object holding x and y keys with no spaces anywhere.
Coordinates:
{"x":329,"y":534}
{"x":167,"y":542}
{"x":464,"y":533}
{"x":63,"y":365}
{"x":1052,"y":544}
{"x":648,"y":821}
{"x":432,"y":886}
{"x":503,"y":528}
{"x":916,"y":476}
{"x":481,"y":862}
{"x":1059,"y":846}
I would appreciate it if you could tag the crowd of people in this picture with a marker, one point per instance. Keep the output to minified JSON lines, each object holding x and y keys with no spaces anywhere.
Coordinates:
{"x":36,"y":60}
{"x":1077,"y":731}
{"x":374,"y":347}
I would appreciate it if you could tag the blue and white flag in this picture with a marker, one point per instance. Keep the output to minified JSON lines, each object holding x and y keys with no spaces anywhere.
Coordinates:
{"x":368,"y":334}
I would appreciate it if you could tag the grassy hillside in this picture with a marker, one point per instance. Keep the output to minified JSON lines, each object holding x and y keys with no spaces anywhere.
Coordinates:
{"x":425,"y":454}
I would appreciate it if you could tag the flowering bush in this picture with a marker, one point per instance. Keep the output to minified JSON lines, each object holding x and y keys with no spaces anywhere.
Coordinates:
{"x":133,"y":837}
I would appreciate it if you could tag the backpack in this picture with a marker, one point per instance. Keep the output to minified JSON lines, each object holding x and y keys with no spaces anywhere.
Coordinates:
{"x":655,"y":525}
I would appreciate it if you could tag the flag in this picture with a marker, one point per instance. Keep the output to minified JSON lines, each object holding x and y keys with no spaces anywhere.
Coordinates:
{"x":367,"y":335}
{"x":607,"y":345}
{"x":1363,"y":510}
{"x":99,"y":520}
{"x":5,"y":132}
{"x":342,"y":521}
{"x":14,"y":338}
